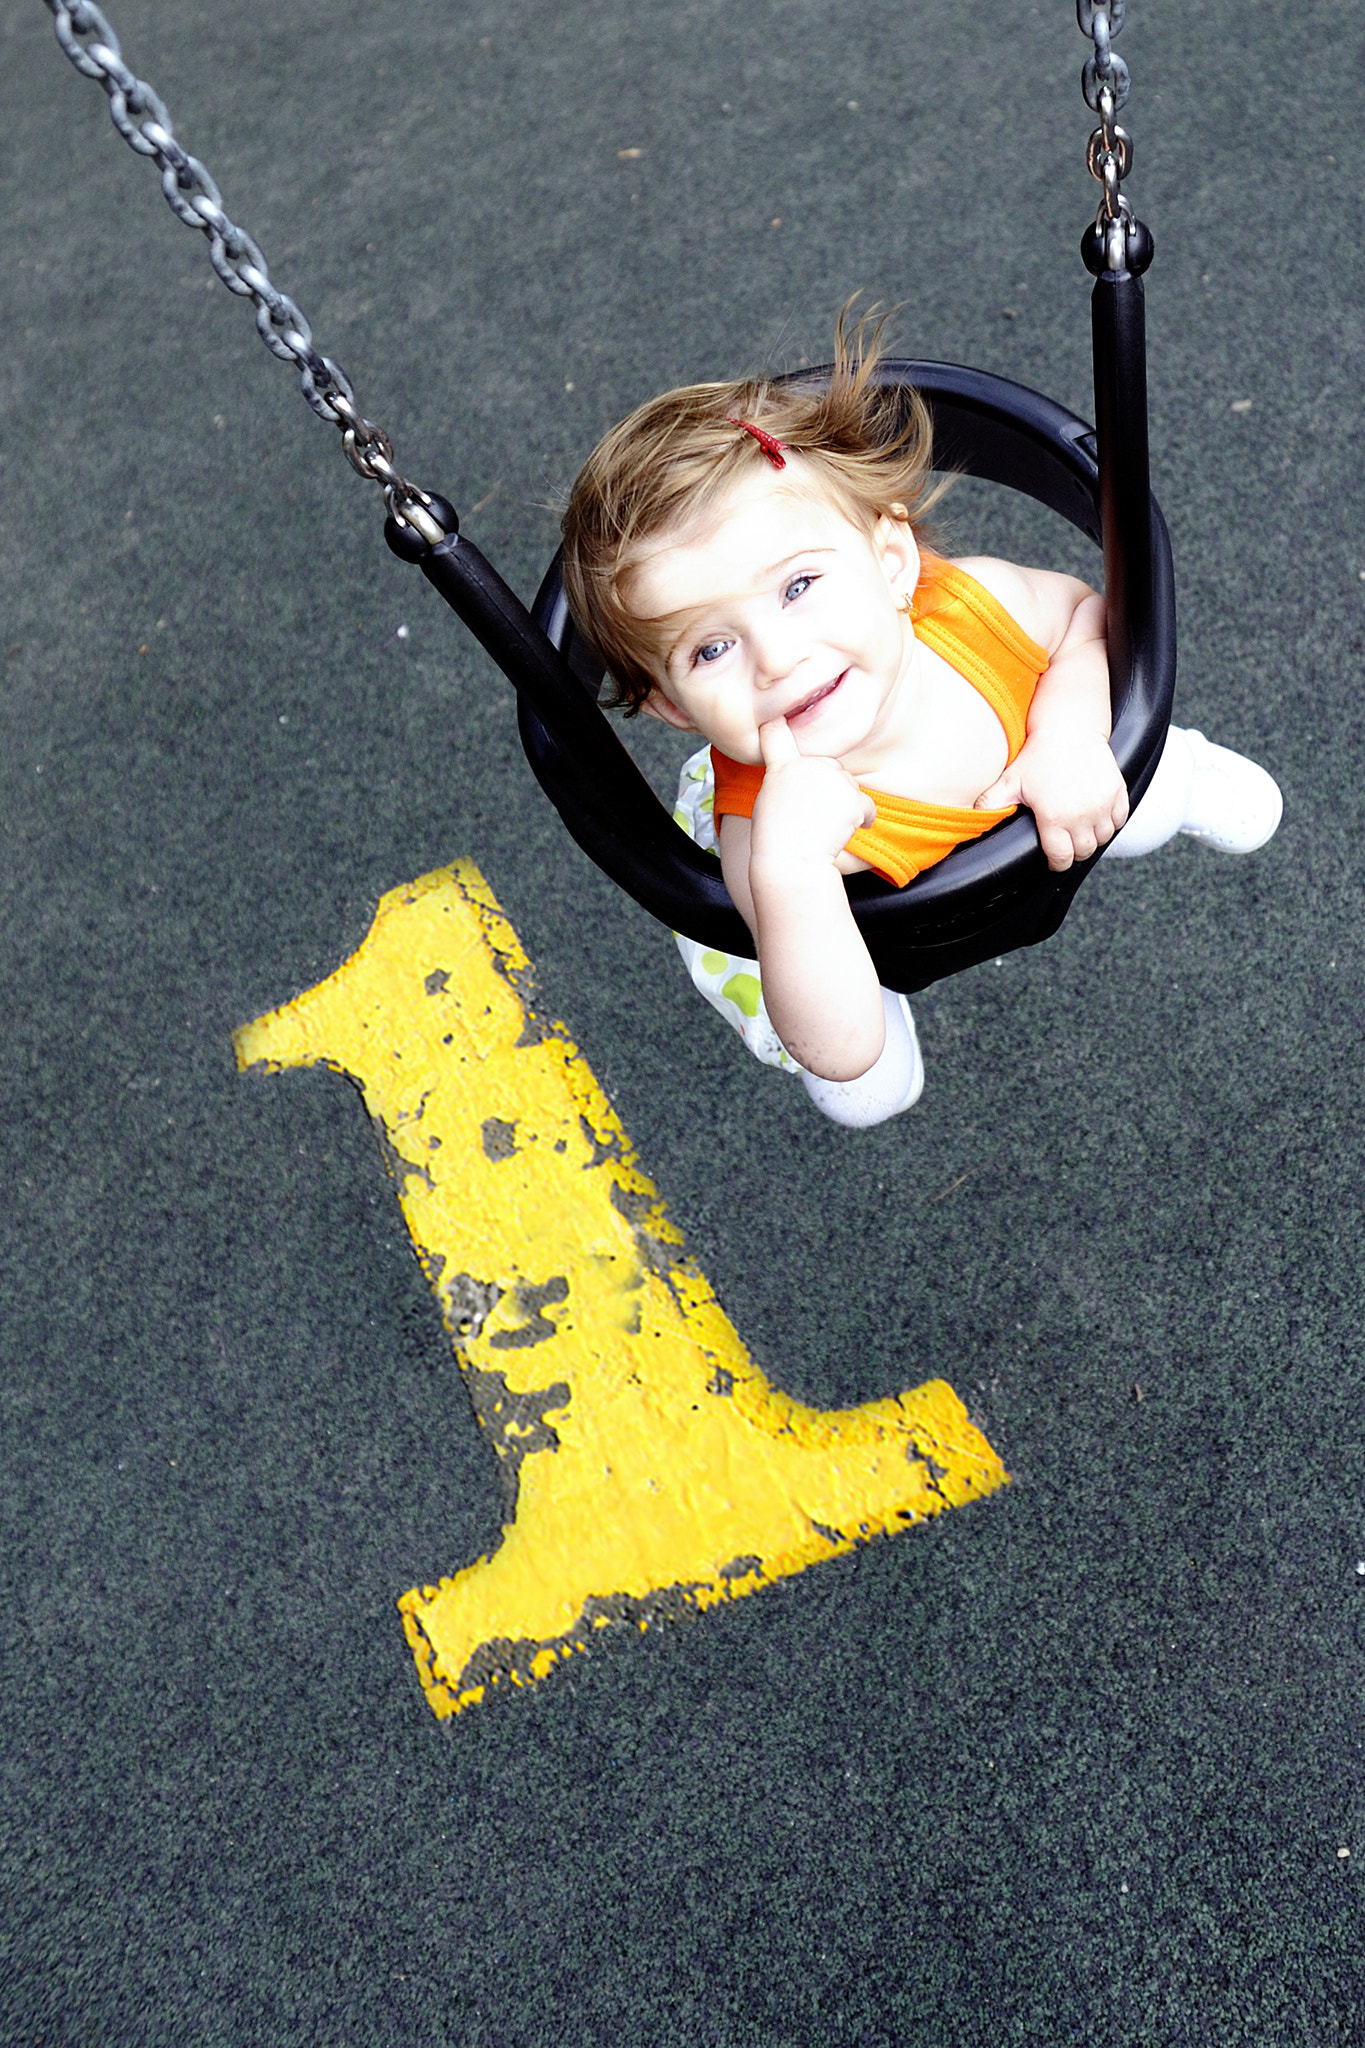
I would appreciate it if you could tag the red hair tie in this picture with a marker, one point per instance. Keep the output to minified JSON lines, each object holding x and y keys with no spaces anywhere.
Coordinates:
{"x":771,"y":448}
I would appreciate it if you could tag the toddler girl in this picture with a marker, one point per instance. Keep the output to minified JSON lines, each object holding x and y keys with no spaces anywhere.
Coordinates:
{"x":750,"y":561}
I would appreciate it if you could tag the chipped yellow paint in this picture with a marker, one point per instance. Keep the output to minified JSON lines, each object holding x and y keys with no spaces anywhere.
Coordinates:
{"x":649,"y":1465}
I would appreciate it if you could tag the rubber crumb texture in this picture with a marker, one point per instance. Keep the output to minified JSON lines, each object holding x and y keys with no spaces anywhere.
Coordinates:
{"x":897,"y":1799}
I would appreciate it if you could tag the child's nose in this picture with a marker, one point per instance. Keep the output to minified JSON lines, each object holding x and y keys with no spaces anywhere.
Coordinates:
{"x":780,"y":653}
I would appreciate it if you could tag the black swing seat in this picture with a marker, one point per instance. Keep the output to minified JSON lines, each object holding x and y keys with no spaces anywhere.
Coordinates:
{"x":987,"y":897}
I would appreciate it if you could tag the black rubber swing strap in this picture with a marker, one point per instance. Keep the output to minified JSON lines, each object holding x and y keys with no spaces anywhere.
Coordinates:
{"x":472,"y":587}
{"x":544,"y":682}
{"x":1118,"y":325}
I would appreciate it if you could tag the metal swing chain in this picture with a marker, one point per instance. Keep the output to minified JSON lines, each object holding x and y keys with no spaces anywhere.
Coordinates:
{"x":1109,"y":152}
{"x":141,"y":119}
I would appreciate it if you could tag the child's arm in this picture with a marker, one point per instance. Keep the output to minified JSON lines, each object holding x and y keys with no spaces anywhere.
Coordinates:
{"x":1065,"y":771}
{"x":819,"y":984}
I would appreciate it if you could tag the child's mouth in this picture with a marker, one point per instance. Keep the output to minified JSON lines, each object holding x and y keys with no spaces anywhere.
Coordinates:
{"x":817,"y":697}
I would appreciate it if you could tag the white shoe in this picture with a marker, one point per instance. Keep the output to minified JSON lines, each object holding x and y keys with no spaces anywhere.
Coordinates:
{"x":1234,"y":806}
{"x":913,"y":1068}
{"x":894,"y":1084}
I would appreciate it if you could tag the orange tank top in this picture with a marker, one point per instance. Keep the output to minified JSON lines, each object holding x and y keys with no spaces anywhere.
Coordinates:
{"x":958,"y":618}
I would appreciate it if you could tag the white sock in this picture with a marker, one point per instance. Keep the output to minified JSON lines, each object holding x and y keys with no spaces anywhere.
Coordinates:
{"x":890,"y":1086}
{"x":1161,"y":812}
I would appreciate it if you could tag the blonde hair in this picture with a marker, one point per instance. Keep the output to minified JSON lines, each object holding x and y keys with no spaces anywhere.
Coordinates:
{"x":869,"y":445}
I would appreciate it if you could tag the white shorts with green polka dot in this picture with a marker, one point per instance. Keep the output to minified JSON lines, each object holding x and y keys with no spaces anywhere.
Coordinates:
{"x":729,"y":981}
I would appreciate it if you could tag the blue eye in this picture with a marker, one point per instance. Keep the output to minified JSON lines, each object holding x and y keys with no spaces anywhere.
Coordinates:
{"x":712,"y":650}
{"x":798,"y":587}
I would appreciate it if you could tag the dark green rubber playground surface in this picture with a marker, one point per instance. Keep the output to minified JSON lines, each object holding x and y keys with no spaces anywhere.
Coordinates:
{"x":1073,"y":1765}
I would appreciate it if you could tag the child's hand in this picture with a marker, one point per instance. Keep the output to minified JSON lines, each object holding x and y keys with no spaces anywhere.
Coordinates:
{"x":808,"y":808}
{"x":1072,"y":784}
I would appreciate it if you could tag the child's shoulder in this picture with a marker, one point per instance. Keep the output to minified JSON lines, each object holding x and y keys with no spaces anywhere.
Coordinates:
{"x":1042,"y":601}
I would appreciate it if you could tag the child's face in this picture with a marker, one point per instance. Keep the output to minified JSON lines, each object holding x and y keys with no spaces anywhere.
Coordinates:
{"x":779,"y":606}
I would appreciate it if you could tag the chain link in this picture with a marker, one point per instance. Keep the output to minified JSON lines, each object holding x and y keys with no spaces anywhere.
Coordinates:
{"x":141,"y":119}
{"x":1109,"y":153}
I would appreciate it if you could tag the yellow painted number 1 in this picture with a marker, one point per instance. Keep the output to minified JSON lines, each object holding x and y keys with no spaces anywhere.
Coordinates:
{"x":650,"y":1465}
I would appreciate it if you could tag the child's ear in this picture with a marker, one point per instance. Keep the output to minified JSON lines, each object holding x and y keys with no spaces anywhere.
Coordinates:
{"x":656,"y":705}
{"x":899,"y":551}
